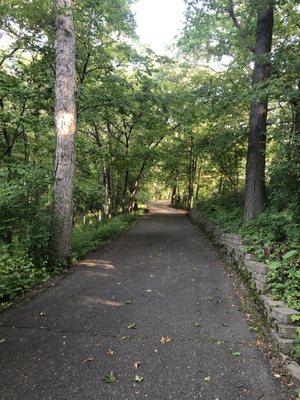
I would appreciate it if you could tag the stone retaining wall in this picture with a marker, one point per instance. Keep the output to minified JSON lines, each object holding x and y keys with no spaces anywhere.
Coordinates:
{"x":278,"y":314}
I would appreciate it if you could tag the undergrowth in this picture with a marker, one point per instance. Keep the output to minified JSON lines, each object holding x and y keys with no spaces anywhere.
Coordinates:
{"x":274,"y":237}
{"x":19,"y":272}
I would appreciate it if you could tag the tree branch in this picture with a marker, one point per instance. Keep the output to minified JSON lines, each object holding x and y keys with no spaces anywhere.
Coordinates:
{"x":232,"y":15}
{"x":9,"y":55}
{"x":236,"y":22}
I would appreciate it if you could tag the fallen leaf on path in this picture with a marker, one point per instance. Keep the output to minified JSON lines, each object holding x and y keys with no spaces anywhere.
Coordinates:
{"x":124,"y":337}
{"x":196,"y":324}
{"x":110,"y":377}
{"x":236,"y":353}
{"x":209,"y":298}
{"x":110,"y":352}
{"x":132,"y":325}
{"x":2,"y":340}
{"x":128,"y":301}
{"x":138,"y":378}
{"x":136,"y":364}
{"x":207,"y":379}
{"x":220,"y":342}
{"x":88,"y":359}
{"x":165,"y":339}
{"x":42,"y":314}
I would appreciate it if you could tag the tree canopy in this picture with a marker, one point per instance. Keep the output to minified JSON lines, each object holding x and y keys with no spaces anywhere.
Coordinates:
{"x":149,"y":125}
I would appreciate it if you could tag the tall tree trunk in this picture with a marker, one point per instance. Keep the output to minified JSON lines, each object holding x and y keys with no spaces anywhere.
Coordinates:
{"x":173,"y":195}
{"x":132,"y":201}
{"x":126,"y":175}
{"x":107,"y":194}
{"x":191,"y":175}
{"x":65,"y":122}
{"x":296,"y":112}
{"x":297,"y":117}
{"x":133,"y":195}
{"x":255,"y":191}
{"x":125,"y":191}
{"x":198,"y":183}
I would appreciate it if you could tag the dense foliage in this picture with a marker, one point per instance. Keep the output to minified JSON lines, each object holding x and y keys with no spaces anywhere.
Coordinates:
{"x":19,"y":273}
{"x":147,"y":126}
{"x":123,"y":115}
{"x":273,"y":236}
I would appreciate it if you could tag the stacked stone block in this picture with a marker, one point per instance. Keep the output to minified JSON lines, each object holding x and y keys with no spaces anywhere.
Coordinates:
{"x":278,"y":314}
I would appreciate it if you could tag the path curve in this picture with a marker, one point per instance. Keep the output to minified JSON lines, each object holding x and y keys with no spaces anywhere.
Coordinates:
{"x":167,"y":279}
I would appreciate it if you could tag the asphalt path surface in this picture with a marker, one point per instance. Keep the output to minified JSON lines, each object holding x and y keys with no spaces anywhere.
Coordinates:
{"x":155,"y":303}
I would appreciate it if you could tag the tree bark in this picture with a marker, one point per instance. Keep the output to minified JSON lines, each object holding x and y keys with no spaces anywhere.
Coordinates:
{"x":173,"y":195}
{"x":107,"y":193}
{"x":135,"y":188}
{"x":125,"y":191}
{"x":297,"y":118}
{"x":65,"y":122}
{"x":296,"y":106}
{"x":255,"y":191}
{"x":191,"y":174}
{"x":198,"y":183}
{"x":126,"y":175}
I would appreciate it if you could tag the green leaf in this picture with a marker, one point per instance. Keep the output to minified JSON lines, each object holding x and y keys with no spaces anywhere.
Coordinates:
{"x":295,"y":318}
{"x":290,"y":254}
{"x":110,"y":377}
{"x":274,"y":264}
{"x":132,"y":325}
{"x":236,"y":353}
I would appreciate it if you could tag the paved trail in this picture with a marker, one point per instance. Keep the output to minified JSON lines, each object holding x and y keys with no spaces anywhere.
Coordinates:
{"x":168,"y":270}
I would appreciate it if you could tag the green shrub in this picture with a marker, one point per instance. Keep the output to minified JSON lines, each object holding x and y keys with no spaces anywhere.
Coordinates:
{"x":19,"y":272}
{"x":17,"y":275}
{"x":284,"y":277}
{"x":89,"y":237}
{"x":25,"y":211}
{"x":226,"y":211}
{"x":274,"y":237}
